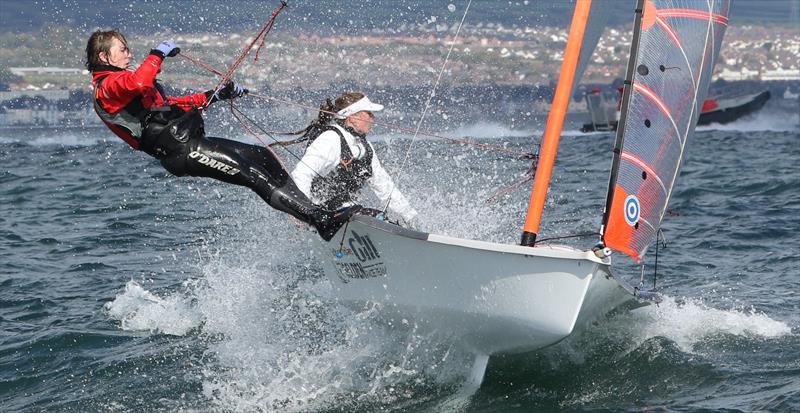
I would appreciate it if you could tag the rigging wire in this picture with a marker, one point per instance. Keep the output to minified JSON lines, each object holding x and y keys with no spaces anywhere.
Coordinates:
{"x":262,"y":34}
{"x":428,"y":102}
{"x":387,"y":125}
{"x":659,"y":234}
{"x":238,"y":114}
{"x":464,"y":141}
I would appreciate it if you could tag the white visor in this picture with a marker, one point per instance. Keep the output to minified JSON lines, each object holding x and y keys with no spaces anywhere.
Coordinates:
{"x":363,"y":104}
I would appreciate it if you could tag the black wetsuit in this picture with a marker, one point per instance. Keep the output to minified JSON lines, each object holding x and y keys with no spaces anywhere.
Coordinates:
{"x":177,"y":138}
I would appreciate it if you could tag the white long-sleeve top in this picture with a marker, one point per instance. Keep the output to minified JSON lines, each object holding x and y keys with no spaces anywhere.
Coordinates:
{"x":323,"y":156}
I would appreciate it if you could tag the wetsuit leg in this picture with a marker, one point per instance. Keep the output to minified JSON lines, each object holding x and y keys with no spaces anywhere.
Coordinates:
{"x":257,"y":168}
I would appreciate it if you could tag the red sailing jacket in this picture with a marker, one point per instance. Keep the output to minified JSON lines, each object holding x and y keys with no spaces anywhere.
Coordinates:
{"x":119,"y":88}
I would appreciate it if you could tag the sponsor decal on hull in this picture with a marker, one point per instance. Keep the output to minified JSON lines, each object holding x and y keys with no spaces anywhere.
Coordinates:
{"x":361,"y":260}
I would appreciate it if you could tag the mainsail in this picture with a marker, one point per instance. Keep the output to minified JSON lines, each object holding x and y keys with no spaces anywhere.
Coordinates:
{"x":676,"y":44}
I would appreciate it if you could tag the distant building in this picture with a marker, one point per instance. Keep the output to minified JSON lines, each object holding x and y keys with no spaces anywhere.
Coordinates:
{"x":52,"y":95}
{"x":46,"y":108}
{"x":743,"y":74}
{"x":22,"y":71}
{"x":781,"y":74}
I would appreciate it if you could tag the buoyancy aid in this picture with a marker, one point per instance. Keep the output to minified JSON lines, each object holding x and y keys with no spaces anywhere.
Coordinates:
{"x":158,"y":131}
{"x":343,"y":185}
{"x":135,"y":107}
{"x":128,"y":123}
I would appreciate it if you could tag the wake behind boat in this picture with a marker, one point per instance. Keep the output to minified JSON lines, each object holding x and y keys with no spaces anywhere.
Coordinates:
{"x":604,"y":115}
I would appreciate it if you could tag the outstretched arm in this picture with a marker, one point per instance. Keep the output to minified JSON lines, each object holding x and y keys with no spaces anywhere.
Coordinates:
{"x":229,"y":91}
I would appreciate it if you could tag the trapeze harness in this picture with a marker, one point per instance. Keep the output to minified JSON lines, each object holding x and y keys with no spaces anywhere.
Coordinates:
{"x":177,"y":139}
{"x":160,"y":131}
{"x":343,"y":185}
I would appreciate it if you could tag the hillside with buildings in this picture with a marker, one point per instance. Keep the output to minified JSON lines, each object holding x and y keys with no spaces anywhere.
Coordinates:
{"x":404,"y":57}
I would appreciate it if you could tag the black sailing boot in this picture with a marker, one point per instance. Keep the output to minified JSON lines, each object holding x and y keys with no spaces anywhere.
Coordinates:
{"x":289,"y":199}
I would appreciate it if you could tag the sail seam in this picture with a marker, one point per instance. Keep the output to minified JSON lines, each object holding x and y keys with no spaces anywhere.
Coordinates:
{"x":657,"y":100}
{"x":645,"y":167}
{"x":694,"y":14}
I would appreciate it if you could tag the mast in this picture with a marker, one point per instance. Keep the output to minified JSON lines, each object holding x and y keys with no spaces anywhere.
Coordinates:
{"x":555,"y":122}
{"x":626,"y":98}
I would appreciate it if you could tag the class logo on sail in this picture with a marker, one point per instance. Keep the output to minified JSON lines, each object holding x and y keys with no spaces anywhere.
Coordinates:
{"x":632,"y":210}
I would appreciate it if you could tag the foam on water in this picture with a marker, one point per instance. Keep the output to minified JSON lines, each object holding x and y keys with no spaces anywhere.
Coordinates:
{"x":39,"y":138}
{"x":139,"y":310}
{"x":286,"y":344}
{"x":764,"y":120}
{"x":687,"y":322}
{"x":276,"y":338}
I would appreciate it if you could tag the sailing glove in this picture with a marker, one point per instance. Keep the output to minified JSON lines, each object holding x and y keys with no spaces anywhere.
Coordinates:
{"x":229,"y":91}
{"x":167,"y":48}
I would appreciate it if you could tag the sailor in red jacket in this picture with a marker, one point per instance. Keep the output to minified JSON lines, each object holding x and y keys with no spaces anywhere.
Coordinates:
{"x":134,"y":106}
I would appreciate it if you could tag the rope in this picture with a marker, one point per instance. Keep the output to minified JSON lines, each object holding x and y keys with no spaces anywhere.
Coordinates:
{"x":428,"y":103}
{"x":262,"y":34}
{"x":387,"y":125}
{"x":508,"y":189}
{"x":197,"y":62}
{"x":237,"y":112}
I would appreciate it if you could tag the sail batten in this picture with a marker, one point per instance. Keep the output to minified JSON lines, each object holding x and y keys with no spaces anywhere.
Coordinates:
{"x":672,"y":62}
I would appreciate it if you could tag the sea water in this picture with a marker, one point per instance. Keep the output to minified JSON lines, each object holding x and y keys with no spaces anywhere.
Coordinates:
{"x":123,"y":289}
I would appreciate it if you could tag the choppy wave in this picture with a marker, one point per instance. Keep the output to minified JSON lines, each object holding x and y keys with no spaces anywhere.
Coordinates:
{"x":137,"y":309}
{"x":230,"y":311}
{"x":55,"y":137}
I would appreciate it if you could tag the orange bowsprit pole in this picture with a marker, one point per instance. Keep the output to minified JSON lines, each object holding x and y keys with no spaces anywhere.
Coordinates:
{"x":555,"y":122}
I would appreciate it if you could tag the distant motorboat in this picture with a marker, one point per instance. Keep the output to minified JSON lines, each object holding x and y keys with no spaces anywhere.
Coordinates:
{"x":727,"y":110}
{"x":604,"y":115}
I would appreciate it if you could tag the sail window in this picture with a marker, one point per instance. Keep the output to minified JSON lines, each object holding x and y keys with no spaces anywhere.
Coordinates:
{"x":643,"y":70}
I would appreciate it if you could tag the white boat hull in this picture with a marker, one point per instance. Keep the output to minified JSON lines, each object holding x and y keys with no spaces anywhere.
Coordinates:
{"x":494,"y":298}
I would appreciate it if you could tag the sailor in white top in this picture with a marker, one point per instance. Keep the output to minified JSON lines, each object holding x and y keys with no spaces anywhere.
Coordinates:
{"x":338,"y":163}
